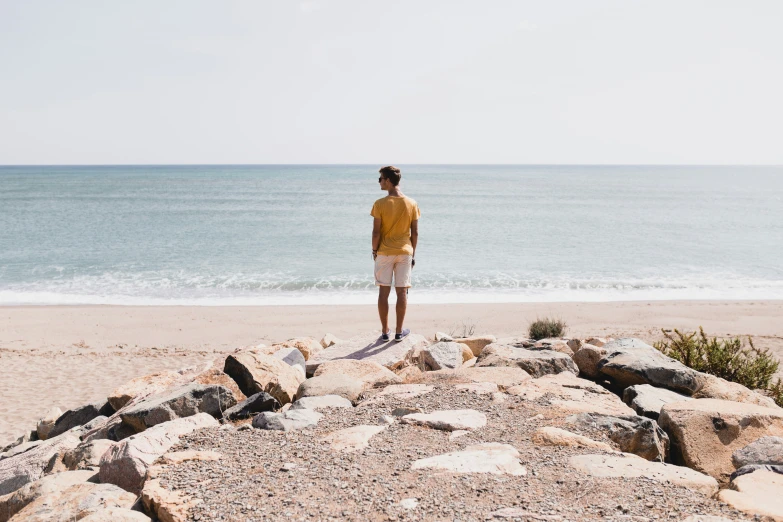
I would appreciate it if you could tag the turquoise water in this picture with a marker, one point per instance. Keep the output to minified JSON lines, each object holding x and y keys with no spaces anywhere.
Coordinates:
{"x":301,"y":234}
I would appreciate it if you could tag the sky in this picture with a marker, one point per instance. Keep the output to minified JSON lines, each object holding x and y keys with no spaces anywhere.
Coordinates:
{"x":403,"y":82}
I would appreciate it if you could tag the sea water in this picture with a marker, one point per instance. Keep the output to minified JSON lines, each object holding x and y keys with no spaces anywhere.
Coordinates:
{"x":227,"y":235}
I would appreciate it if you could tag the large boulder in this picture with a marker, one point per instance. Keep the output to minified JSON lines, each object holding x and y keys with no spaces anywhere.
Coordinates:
{"x":631,"y":466}
{"x":246,"y":409}
{"x":257,"y":372}
{"x":370,"y":347}
{"x":75,"y":503}
{"x":551,"y":436}
{"x":87,"y":454}
{"x":705,"y":432}
{"x":351,"y":439}
{"x":31,"y":465}
{"x":307,"y":346}
{"x":587,"y":359}
{"x":287,"y":421}
{"x":12,"y":503}
{"x":648,"y":400}
{"x":80,"y":416}
{"x":143,"y":386}
{"x":46,"y":424}
{"x":179,"y":402}
{"x":370,"y":373}
{"x":332,"y":384}
{"x":292,"y":357}
{"x":166,"y":505}
{"x":214,"y":374}
{"x":712,"y":387}
{"x":631,"y":361}
{"x":320,"y":403}
{"x":632,"y":433}
{"x":476,"y":343}
{"x":440,"y":356}
{"x":126,"y":463}
{"x":756,"y":493}
{"x":766,"y":450}
{"x":534,"y":362}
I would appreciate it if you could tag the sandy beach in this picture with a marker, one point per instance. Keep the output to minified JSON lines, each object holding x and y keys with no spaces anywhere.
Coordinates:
{"x":65,"y":356}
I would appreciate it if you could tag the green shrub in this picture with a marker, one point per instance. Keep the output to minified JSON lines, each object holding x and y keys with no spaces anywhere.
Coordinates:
{"x":546,"y":327}
{"x":729,"y":359}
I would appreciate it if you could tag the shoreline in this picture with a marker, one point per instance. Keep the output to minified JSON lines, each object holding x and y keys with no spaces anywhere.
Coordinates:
{"x":68,"y":355}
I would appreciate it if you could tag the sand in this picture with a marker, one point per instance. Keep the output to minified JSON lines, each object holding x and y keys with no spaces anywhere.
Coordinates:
{"x":65,"y":356}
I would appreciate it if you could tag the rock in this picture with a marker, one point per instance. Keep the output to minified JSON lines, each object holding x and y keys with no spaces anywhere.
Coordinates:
{"x":587,"y":358}
{"x":405,"y":391}
{"x":21,"y":448}
{"x":574,"y":344}
{"x":332,"y":384}
{"x":534,"y":362}
{"x":477,"y":344}
{"x":448,"y":420}
{"x":504,"y":377}
{"x":712,"y":387}
{"x":321,"y":402}
{"x":369,"y":347}
{"x":117,"y":515}
{"x":49,"y":485}
{"x":165,"y":505}
{"x":598,"y":342}
{"x":215,"y":375}
{"x":255,"y":372}
{"x":354,"y":438}
{"x":79,"y":416}
{"x":648,"y":400}
{"x":257,"y":403}
{"x":409,"y":503}
{"x":766,"y":450}
{"x":126,"y":463}
{"x":30,"y":436}
{"x":470,"y":363}
{"x":370,"y":373}
{"x":480,"y":388}
{"x":440,"y":356}
{"x":707,"y":518}
{"x":87,"y":454}
{"x":555,"y":345}
{"x":75,"y":503}
{"x":756,"y":493}
{"x":46,"y":424}
{"x":143,"y":386}
{"x":632,"y":434}
{"x":409,"y":373}
{"x":550,"y":436}
{"x":498,"y":459}
{"x":292,"y":357}
{"x":308,"y":346}
{"x":631,"y":466}
{"x":178,"y":457}
{"x":516,"y":342}
{"x":288,"y":421}
{"x":705,"y":432}
{"x":440,"y":336}
{"x":467,"y":353}
{"x":752,"y":468}
{"x":328,"y":340}
{"x":31,"y":465}
{"x":631,"y":361}
{"x":401,"y":412}
{"x":177,"y":403}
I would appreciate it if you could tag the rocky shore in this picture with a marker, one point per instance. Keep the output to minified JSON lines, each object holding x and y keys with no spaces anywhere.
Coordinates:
{"x":427,"y":429}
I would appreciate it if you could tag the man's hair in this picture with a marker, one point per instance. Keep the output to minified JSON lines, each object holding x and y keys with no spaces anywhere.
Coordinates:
{"x":392,"y":174}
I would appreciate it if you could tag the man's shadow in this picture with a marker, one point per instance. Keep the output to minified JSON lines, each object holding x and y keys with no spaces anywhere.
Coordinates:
{"x":371,"y":349}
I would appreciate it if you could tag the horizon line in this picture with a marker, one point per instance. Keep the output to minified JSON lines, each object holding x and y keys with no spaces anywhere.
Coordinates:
{"x":405,"y":164}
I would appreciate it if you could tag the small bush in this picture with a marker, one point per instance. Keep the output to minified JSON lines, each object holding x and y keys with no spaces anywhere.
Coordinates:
{"x":729,"y":359}
{"x":546,"y":327}
{"x":462,"y":330}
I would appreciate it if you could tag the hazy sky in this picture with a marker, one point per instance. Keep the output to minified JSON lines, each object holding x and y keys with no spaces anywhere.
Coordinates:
{"x":424,"y":81}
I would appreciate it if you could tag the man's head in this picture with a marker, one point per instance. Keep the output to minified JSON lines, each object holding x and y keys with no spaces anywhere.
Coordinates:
{"x":390,"y":177}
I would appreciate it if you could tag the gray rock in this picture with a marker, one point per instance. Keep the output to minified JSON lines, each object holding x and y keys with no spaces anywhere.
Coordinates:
{"x":440,"y":356}
{"x":126,"y":463}
{"x":21,"y":448}
{"x":647,"y":400}
{"x":87,"y":454}
{"x":76,"y":503}
{"x":30,"y":436}
{"x":535,"y":362}
{"x":31,"y":465}
{"x":766,"y":450}
{"x":14,"y":502}
{"x":587,"y":358}
{"x":332,"y":384}
{"x":292,"y":357}
{"x":287,"y":421}
{"x":80,"y":416}
{"x":322,"y":402}
{"x":632,"y":433}
{"x":631,"y":361}
{"x":448,"y":420}
{"x":750,"y":468}
{"x":180,"y":402}
{"x":254,"y":404}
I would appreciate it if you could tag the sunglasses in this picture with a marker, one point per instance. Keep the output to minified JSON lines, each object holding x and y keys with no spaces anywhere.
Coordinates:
{"x":381,"y":179}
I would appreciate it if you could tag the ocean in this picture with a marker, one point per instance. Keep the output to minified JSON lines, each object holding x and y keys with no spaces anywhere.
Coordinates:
{"x":264,"y":235}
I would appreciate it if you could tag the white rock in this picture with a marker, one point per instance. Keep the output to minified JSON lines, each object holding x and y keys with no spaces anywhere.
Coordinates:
{"x":369,"y":347}
{"x":406,"y":391}
{"x":409,"y":503}
{"x":448,"y":420}
{"x":757,"y":493}
{"x":353,"y":438}
{"x":480,"y":388}
{"x":321,"y":402}
{"x":288,"y":421}
{"x":440,"y":356}
{"x":49,"y":485}
{"x":499,"y":459}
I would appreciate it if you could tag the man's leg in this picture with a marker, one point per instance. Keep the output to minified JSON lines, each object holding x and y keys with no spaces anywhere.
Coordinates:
{"x":383,"y":307}
{"x":402,"y":305}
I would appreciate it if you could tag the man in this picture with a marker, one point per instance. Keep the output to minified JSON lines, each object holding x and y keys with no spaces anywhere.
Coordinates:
{"x":395,"y":231}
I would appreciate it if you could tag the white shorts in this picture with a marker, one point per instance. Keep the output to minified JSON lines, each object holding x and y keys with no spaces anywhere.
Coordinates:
{"x":397,"y":266}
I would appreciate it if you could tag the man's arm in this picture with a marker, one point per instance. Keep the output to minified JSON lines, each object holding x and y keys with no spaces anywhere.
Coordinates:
{"x":414,"y":234}
{"x":376,"y":236}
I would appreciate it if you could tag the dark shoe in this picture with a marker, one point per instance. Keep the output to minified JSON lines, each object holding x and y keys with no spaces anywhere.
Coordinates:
{"x":402,"y":335}
{"x":385,"y":337}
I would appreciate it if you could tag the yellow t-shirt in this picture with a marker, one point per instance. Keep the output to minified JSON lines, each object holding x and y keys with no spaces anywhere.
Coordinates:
{"x":396,"y":214}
